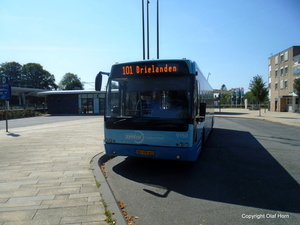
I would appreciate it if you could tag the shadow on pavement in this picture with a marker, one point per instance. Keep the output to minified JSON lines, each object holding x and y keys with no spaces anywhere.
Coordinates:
{"x":13,"y":134}
{"x":233,"y":168}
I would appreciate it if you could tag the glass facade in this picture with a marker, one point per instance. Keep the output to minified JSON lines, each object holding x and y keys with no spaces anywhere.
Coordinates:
{"x":91,"y":103}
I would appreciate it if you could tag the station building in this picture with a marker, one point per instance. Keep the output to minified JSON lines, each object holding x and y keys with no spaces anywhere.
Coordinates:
{"x":74,"y":101}
{"x":21,"y":97}
{"x":284,"y":67}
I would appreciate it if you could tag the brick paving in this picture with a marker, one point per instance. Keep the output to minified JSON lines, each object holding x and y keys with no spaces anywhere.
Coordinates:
{"x":46,"y":176}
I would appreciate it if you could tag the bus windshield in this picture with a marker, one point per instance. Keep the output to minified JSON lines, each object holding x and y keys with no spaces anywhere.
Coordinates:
{"x":152,"y":103}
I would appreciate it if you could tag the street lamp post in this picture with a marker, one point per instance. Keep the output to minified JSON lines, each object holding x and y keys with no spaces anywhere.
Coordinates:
{"x":148,"y":53}
{"x":143,"y":29}
{"x":157,"y":31}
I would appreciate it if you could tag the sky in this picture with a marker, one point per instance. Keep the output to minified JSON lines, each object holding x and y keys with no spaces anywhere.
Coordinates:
{"x":230,"y":40}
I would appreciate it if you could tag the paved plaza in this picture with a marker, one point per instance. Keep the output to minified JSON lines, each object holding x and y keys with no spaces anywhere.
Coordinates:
{"x":46,"y":177}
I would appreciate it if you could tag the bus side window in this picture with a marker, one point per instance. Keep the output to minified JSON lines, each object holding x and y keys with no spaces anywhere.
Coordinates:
{"x":195,"y":106}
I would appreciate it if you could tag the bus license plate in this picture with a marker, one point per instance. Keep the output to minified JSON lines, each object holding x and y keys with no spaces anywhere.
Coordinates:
{"x":144,"y":152}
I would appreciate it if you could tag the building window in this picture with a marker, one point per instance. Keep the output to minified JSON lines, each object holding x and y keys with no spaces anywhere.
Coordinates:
{"x":281,"y":72}
{"x":87,"y":105}
{"x":281,"y":84}
{"x":276,"y":73}
{"x":286,"y":70}
{"x":281,"y":58}
{"x":285,"y":84}
{"x":276,"y":86}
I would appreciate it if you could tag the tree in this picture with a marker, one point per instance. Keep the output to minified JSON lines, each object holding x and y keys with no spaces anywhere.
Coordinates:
{"x":250,"y":97}
{"x":224,"y":96}
{"x":34,"y":76}
{"x":258,"y":89}
{"x":49,"y":80}
{"x":223,"y":87}
{"x":13,"y":71}
{"x":30,"y":75}
{"x":70,"y":81}
{"x":297,"y":88}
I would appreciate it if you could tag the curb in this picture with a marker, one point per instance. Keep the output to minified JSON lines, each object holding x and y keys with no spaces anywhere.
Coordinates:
{"x":105,"y":190}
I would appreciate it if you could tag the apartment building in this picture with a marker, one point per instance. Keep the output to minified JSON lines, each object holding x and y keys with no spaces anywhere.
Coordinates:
{"x":284,"y":67}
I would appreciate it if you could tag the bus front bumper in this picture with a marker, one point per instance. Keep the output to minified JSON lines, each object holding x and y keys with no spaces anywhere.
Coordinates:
{"x":146,"y":151}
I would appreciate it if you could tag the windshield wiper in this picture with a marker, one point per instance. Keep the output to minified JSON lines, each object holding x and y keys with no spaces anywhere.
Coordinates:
{"x":122,"y":119}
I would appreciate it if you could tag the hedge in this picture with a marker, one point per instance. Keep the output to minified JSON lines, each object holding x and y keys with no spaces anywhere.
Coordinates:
{"x":250,"y":106}
{"x":14,"y":114}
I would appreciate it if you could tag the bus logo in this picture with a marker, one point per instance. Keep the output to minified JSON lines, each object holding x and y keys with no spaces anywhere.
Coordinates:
{"x":137,"y":136}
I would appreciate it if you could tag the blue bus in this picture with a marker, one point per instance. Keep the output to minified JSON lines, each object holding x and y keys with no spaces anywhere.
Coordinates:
{"x":157,"y":109}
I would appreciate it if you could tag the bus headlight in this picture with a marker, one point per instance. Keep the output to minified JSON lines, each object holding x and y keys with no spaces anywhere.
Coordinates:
{"x":109,"y":140}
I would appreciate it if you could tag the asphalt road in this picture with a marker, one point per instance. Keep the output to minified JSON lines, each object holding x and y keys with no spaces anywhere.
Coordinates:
{"x":248,"y":173}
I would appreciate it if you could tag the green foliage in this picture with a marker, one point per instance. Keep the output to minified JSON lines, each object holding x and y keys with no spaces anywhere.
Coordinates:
{"x":48,"y":81}
{"x":14,"y":114}
{"x":13,"y":71}
{"x":30,"y":75}
{"x":249,"y":106}
{"x":225,"y":98}
{"x":70,"y":81}
{"x":258,"y":89}
{"x":98,"y":183}
{"x":297,"y":86}
{"x":108,"y":214}
{"x":34,"y":76}
{"x":231,"y":106}
{"x":250,"y":97}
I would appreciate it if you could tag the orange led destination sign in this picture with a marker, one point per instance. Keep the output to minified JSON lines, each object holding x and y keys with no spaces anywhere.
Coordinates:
{"x":138,"y":69}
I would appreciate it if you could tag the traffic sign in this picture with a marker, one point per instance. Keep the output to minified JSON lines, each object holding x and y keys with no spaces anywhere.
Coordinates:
{"x":5,"y":89}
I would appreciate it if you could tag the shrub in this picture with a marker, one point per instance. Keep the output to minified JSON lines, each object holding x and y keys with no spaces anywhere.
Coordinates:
{"x":14,"y":114}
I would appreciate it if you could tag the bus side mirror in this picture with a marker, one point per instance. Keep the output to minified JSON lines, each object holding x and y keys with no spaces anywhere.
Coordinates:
{"x":98,"y":82}
{"x":202,"y":111}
